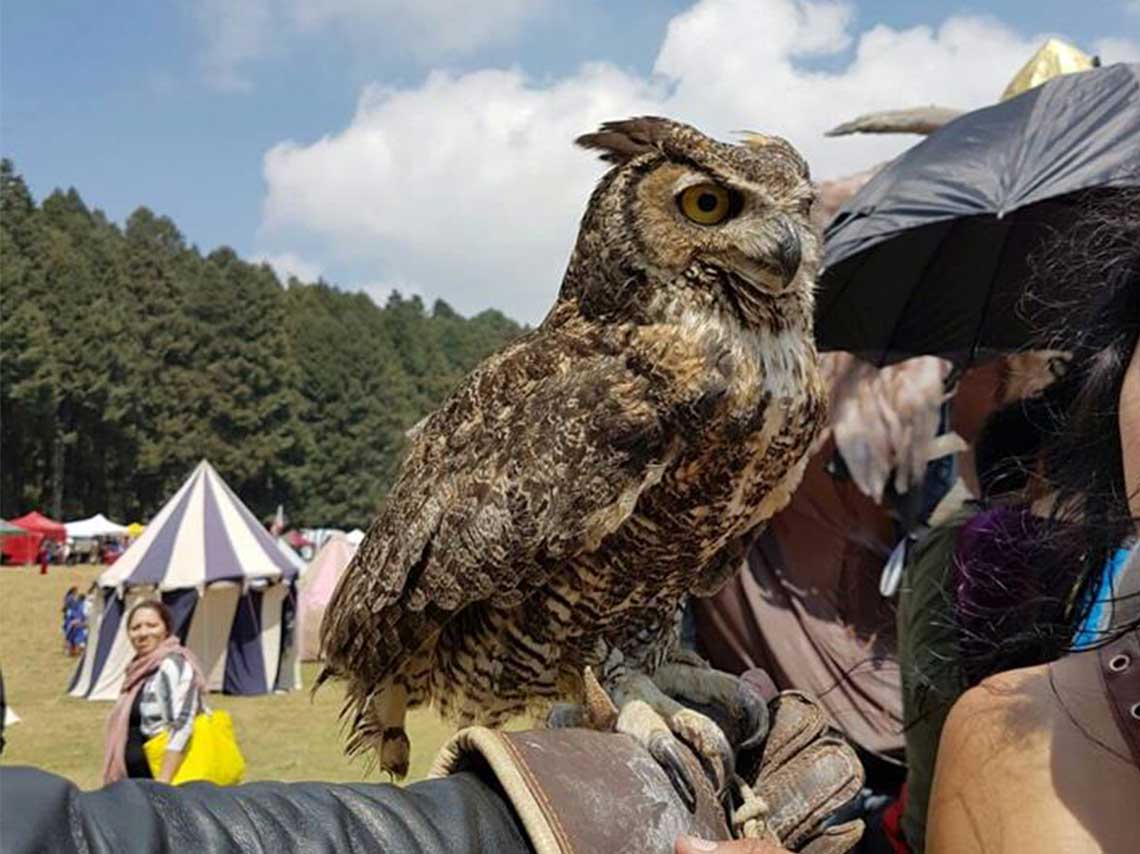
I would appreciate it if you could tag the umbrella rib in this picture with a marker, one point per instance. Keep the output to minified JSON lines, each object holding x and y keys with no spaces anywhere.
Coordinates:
{"x":1007,"y":228}
{"x":910,"y":297}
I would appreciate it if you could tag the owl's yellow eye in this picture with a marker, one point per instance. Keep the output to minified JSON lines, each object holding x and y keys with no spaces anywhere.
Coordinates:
{"x":706,"y":204}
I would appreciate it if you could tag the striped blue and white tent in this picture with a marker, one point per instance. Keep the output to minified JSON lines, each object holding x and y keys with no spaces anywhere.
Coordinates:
{"x":231,"y":590}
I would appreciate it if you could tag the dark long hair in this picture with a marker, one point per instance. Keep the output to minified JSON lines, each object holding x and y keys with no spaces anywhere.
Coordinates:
{"x":1099,"y":264}
{"x":1088,"y":282}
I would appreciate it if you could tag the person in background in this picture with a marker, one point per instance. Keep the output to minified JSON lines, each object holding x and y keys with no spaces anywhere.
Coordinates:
{"x":161,"y":691}
{"x":65,"y":612}
{"x":75,"y":631}
{"x":958,"y":581}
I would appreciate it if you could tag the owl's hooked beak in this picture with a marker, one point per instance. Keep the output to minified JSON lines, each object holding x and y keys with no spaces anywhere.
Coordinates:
{"x":773,"y":261}
{"x":788,"y":248}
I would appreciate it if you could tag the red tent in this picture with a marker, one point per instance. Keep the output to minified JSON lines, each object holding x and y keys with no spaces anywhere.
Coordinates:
{"x":22,"y":548}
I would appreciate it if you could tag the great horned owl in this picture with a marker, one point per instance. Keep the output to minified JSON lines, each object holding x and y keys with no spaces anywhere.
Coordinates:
{"x":555,"y":511}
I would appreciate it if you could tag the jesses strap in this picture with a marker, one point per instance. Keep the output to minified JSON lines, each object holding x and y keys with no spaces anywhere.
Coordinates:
{"x":1120,"y":670}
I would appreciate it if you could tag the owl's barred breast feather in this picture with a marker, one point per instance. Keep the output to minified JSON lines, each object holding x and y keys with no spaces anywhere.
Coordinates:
{"x":556,"y":509}
{"x":539,"y":454}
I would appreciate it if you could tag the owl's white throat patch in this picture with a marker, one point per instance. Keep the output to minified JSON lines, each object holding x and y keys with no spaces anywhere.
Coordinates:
{"x":763,"y":361}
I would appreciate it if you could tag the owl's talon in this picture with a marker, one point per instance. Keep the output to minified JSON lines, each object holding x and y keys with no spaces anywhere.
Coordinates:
{"x":666,"y":750}
{"x":708,"y":743}
{"x":599,"y":709}
{"x":753,"y":716}
{"x":719,"y":770}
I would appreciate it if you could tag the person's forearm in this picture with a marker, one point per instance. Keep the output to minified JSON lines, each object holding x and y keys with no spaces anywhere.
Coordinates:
{"x":171,"y":762}
{"x":459,"y":815}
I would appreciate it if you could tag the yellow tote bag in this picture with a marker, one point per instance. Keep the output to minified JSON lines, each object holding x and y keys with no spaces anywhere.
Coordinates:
{"x":212,"y":753}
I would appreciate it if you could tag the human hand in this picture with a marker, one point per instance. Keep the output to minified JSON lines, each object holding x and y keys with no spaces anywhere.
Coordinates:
{"x":692,"y":845}
{"x":171,"y":762}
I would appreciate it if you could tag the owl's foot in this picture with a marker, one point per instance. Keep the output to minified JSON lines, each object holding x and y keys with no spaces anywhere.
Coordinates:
{"x":657,"y":723}
{"x":660,"y":723}
{"x":739,"y":708}
{"x":645,"y":725}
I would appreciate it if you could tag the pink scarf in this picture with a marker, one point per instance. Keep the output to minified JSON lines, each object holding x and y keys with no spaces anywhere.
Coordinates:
{"x":114,"y":765}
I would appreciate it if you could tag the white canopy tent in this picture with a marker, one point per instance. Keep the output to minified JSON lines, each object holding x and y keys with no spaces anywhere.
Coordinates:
{"x":95,"y":526}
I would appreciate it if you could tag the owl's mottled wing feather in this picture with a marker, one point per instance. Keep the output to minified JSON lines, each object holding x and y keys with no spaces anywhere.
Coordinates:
{"x":539,"y":454}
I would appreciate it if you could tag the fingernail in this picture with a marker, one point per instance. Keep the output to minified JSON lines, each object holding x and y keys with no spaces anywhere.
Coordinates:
{"x":701,"y":844}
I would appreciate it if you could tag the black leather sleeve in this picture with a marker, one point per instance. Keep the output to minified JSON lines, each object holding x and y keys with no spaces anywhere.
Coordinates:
{"x":40,"y":812}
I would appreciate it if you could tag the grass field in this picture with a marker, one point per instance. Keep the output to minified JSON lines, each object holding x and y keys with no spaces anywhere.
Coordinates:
{"x":284,"y":737}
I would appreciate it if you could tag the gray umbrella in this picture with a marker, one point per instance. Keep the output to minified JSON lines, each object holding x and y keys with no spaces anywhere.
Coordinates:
{"x":931,"y":256}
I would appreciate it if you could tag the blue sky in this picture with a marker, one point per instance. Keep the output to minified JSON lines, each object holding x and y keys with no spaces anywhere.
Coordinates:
{"x":425,"y":145}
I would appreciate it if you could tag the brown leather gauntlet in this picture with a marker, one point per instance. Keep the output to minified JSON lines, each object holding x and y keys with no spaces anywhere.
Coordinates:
{"x":577,"y":791}
{"x":588,"y":792}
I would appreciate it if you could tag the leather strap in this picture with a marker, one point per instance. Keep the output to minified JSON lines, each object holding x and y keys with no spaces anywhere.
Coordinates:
{"x":1120,"y":670}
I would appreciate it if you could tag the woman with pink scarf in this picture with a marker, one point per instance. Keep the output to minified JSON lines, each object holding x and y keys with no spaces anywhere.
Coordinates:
{"x":161,"y":692}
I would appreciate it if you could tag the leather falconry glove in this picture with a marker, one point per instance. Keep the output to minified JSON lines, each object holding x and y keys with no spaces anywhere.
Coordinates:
{"x":804,"y":772}
{"x":794,"y":771}
{"x":590,"y":790}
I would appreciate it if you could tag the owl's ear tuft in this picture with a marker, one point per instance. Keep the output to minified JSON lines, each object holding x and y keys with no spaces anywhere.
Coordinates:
{"x":772,"y":144}
{"x":621,"y":141}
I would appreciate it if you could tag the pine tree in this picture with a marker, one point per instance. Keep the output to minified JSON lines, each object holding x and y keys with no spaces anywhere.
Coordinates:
{"x":246,"y":403}
{"x":154,"y":267}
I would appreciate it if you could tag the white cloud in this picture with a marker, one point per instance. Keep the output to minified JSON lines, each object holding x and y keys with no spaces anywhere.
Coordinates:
{"x":234,"y":33}
{"x":469,"y":186}
{"x":237,"y":32}
{"x":469,"y":181}
{"x":286,"y":264}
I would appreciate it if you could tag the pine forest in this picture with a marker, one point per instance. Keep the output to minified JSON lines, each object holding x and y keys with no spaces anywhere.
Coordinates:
{"x":126,"y":356}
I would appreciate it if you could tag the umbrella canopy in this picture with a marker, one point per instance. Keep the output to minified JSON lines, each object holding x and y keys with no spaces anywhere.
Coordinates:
{"x":202,"y":535}
{"x":931,"y":257}
{"x":135,"y":529}
{"x":95,"y":526}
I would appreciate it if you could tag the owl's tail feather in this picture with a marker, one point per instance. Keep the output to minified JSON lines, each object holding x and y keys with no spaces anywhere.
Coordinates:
{"x":379,"y":725}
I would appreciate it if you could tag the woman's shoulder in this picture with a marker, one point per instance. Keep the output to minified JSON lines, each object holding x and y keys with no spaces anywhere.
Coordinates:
{"x":174,"y":662}
{"x":1034,"y":755}
{"x":1063,"y":704}
{"x":985,"y":769}
{"x":987,"y":717}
